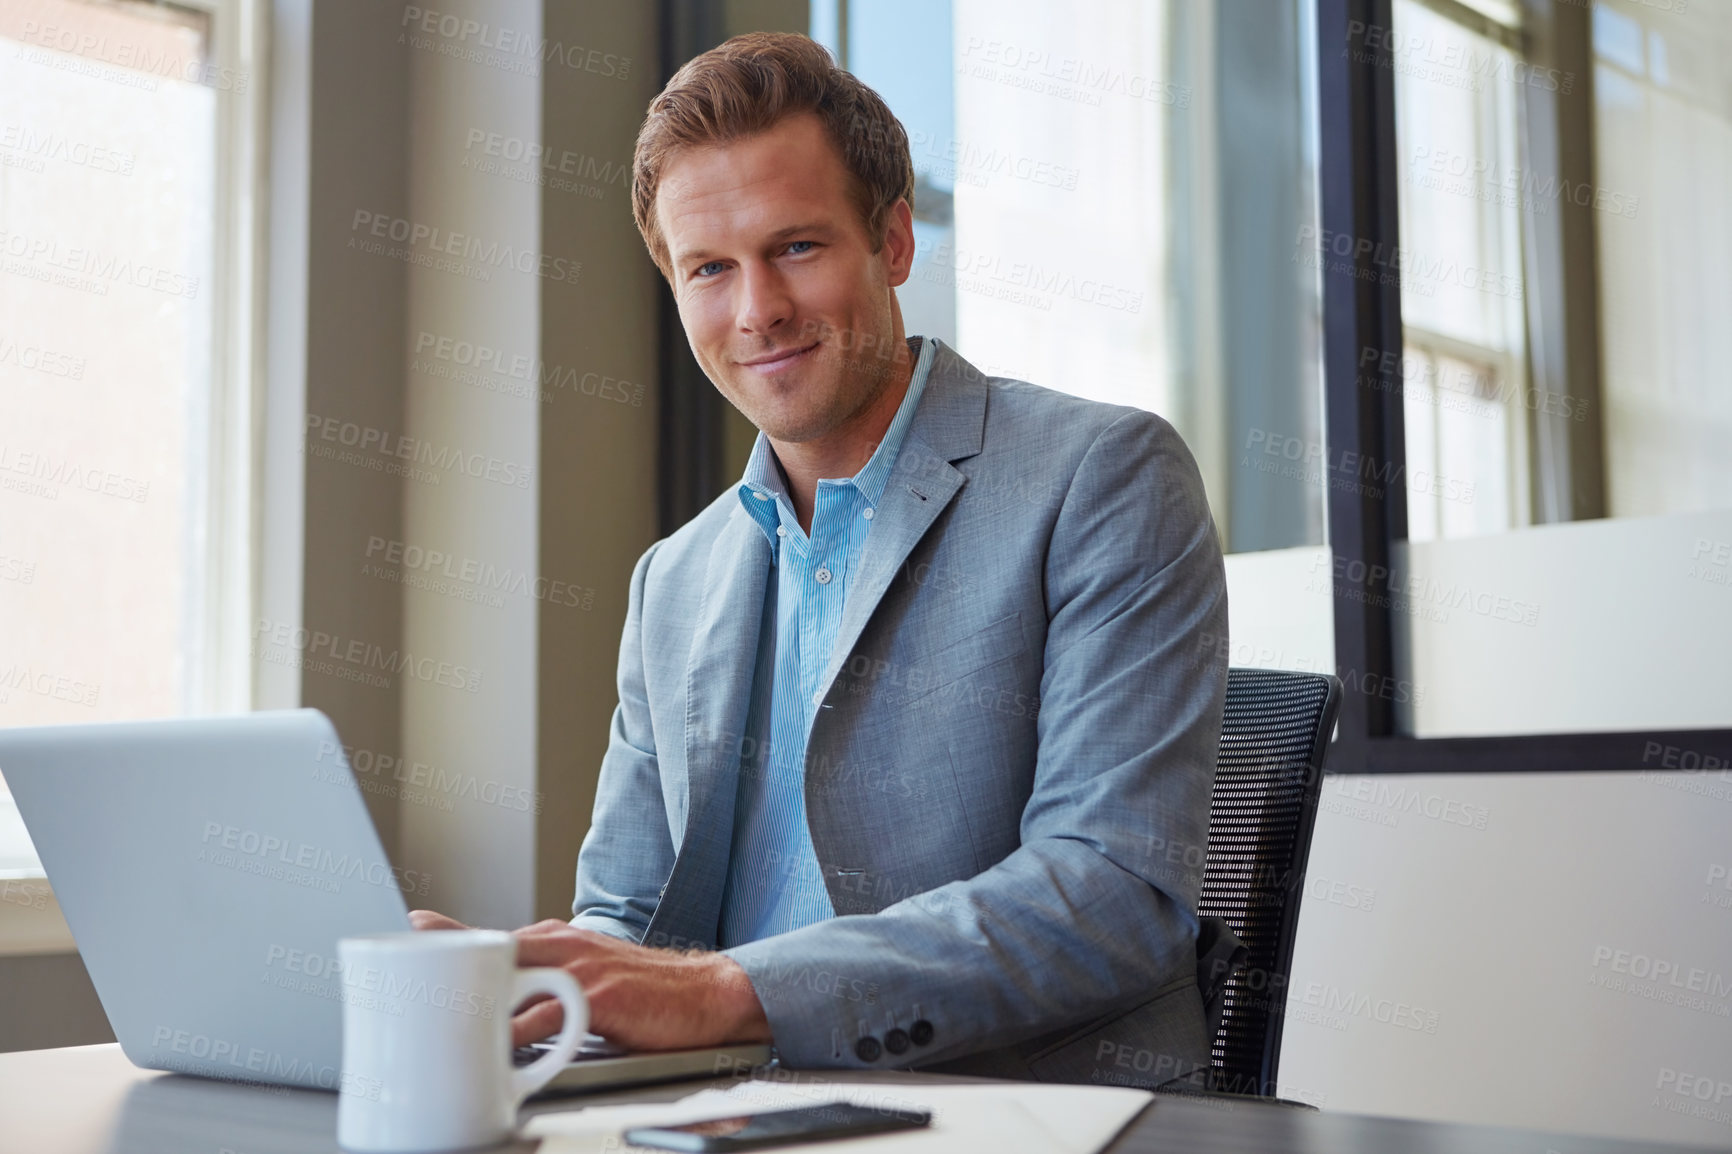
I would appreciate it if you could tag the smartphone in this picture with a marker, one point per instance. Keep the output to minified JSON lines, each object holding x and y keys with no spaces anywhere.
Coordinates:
{"x":778,"y":1128}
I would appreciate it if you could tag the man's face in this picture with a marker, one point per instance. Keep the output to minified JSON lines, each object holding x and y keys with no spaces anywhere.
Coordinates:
{"x":787,"y":308}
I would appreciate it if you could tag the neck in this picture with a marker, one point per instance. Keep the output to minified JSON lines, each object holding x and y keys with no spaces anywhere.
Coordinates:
{"x":844,"y":450}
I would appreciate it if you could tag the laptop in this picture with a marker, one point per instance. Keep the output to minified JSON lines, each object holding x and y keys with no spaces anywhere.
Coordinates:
{"x":207,"y":868}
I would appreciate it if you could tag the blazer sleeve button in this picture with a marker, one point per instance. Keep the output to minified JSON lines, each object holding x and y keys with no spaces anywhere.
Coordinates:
{"x":867,"y":1049}
{"x":896,"y":1041}
{"x":921,"y":1032}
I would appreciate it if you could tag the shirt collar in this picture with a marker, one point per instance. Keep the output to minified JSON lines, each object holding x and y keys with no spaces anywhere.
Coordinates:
{"x":765,"y":497}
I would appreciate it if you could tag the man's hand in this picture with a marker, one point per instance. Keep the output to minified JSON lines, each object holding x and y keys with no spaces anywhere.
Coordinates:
{"x":643,"y":999}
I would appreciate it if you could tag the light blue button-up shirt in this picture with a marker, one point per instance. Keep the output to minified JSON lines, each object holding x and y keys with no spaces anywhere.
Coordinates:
{"x":774,"y":883}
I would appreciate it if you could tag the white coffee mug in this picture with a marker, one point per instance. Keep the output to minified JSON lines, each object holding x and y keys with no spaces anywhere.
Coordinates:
{"x":427,"y":1039}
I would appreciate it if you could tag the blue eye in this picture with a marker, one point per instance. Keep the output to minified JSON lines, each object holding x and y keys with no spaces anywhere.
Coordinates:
{"x":711,"y":264}
{"x":795,"y":247}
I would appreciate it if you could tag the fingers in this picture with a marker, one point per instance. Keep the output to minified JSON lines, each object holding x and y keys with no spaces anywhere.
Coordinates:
{"x":547,"y":926}
{"x":558,"y":944}
{"x":532,"y":1000}
{"x":429,"y":920}
{"x":538,"y":1023}
{"x":545,"y":951}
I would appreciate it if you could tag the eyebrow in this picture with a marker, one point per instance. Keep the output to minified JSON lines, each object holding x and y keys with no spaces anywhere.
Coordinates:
{"x":822,"y":231}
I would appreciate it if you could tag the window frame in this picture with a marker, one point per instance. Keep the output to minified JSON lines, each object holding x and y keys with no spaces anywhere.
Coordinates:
{"x":232,"y":560}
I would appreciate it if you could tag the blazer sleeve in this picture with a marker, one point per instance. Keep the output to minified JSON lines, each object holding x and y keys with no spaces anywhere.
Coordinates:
{"x":1095,"y":910}
{"x":628,"y":852}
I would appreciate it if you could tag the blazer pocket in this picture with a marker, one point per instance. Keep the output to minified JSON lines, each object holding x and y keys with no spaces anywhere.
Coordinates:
{"x":999,"y":641}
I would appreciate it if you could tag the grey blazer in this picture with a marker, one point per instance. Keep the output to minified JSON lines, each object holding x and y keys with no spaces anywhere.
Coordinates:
{"x":1008,"y":780}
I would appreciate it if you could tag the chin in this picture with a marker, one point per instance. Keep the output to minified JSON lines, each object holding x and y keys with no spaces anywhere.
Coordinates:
{"x":795,"y":428}
{"x":786,"y":413}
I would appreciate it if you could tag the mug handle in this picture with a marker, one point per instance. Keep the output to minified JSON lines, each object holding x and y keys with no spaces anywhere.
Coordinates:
{"x":528,"y":1079}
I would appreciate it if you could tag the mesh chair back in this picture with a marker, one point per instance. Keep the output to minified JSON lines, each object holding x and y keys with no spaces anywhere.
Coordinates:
{"x":1267,"y":778}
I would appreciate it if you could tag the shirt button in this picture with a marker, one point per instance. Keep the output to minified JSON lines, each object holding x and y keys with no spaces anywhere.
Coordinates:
{"x":867,"y":513}
{"x":818,"y":698}
{"x":761,"y":496}
{"x":781,"y":530}
{"x":822,"y":576}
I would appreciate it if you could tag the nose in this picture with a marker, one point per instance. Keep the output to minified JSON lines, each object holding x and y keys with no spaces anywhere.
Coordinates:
{"x":764,"y":303}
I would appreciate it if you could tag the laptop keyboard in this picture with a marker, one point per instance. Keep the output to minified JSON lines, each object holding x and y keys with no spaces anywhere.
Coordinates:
{"x":594,"y":1046}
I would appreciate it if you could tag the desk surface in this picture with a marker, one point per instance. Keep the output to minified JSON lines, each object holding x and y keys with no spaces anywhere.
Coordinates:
{"x":91,"y":1100}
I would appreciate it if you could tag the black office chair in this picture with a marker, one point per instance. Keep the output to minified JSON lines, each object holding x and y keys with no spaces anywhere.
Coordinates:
{"x":1267,"y":778}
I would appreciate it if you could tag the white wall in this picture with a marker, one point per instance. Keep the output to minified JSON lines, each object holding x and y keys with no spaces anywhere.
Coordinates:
{"x":1602,"y":625}
{"x":1483,"y":948}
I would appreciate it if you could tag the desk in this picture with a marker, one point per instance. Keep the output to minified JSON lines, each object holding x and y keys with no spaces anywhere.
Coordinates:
{"x":91,"y":1100}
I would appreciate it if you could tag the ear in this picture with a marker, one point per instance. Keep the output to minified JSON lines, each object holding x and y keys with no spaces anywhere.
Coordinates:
{"x":898,"y":248}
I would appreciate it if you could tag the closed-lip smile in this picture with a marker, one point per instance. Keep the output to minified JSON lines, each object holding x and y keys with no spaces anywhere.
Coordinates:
{"x":779,"y":358}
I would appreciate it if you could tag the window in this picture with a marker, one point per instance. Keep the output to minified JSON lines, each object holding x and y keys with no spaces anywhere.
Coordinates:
{"x":127,"y":138}
{"x":1663,"y":152}
{"x":1464,"y":361}
{"x":1561,"y":363}
{"x":1546,"y":374}
{"x":1625,"y":128}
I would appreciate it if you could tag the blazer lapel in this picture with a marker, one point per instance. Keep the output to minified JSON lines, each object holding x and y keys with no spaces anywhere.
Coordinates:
{"x":718,"y":691}
{"x":905,"y":511}
{"x":948,"y":426}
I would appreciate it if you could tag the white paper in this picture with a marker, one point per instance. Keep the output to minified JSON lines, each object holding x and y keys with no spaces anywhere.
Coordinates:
{"x":1003,"y":1117}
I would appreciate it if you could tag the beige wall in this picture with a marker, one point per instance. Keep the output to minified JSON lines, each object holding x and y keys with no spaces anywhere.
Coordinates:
{"x":47,"y":1000}
{"x":598,"y":479}
{"x":467,"y":819}
{"x":354,"y":368}
{"x":537,"y":725}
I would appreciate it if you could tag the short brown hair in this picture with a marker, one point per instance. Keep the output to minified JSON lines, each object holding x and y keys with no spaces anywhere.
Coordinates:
{"x":749,"y":85}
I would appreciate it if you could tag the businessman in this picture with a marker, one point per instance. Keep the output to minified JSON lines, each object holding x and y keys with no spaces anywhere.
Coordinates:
{"x":912,"y":720}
